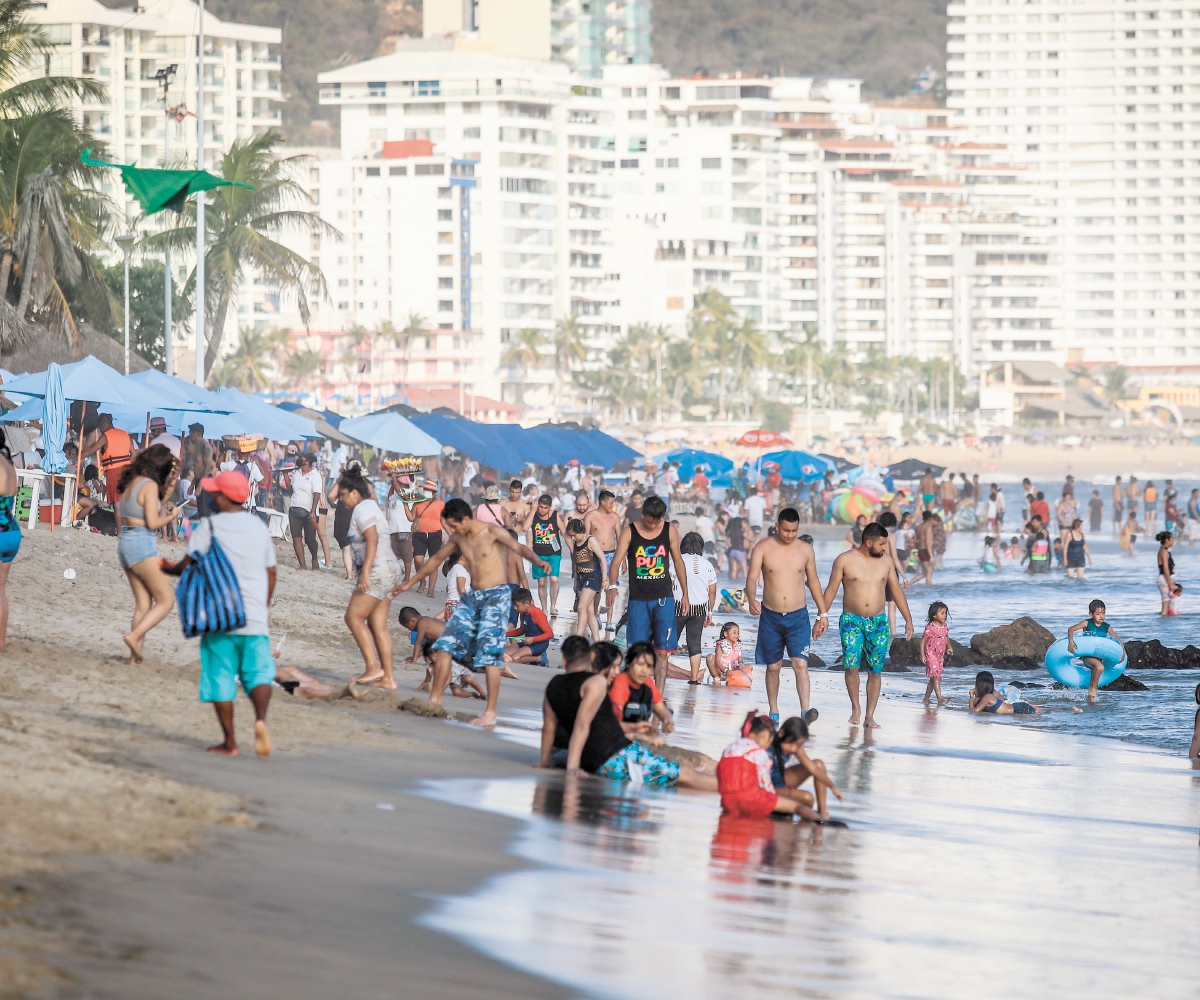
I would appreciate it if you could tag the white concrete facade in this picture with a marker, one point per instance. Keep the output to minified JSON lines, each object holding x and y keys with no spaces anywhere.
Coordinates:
{"x":1100,"y":100}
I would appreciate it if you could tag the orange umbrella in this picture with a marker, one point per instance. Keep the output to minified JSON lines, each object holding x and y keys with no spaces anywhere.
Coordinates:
{"x":762,"y":439}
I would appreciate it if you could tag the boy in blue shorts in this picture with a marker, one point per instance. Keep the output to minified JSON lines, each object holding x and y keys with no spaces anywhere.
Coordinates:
{"x":532,"y":630}
{"x":869,"y":579}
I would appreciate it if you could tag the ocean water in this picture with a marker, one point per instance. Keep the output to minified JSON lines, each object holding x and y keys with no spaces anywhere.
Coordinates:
{"x":981,"y":858}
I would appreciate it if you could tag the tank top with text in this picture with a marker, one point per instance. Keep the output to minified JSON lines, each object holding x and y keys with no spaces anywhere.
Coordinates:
{"x":649,"y":577}
{"x":545,"y":540}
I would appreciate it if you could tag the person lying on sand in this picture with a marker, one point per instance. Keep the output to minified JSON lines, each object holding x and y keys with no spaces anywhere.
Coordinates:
{"x":983,"y":698}
{"x":295,"y":681}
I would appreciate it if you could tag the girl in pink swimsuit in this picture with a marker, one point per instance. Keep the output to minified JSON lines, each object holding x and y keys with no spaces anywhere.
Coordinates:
{"x":934,"y":641}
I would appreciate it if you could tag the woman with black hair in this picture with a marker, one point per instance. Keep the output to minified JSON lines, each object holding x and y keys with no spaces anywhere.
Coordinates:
{"x":377,"y":571}
{"x":1168,"y":588}
{"x":142,"y":487}
{"x":789,"y":742}
{"x":702,"y":595}
{"x":1194,"y":749}
{"x":10,"y":530}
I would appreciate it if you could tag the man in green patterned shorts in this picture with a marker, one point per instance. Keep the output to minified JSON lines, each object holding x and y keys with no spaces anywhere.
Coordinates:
{"x":868,"y":578}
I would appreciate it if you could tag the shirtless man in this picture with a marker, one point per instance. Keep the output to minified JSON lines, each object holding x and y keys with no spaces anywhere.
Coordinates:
{"x":605,"y":524}
{"x":786,"y":565}
{"x":868,"y":576}
{"x":928,"y":489}
{"x":514,"y":505}
{"x":197,"y":452}
{"x":475,"y":633}
{"x":924,"y":537}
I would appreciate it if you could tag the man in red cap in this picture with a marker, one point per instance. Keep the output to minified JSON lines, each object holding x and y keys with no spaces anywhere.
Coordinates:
{"x":244,"y":654}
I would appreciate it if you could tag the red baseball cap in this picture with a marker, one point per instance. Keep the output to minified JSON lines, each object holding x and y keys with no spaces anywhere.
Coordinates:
{"x":231,"y":482}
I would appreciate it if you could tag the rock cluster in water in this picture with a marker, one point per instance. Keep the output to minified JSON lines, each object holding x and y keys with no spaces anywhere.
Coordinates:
{"x":1153,"y":655}
{"x":1022,"y":640}
{"x":906,"y":654}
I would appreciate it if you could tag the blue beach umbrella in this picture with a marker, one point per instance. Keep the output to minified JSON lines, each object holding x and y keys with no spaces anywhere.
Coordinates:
{"x":391,"y":432}
{"x":799,"y":466}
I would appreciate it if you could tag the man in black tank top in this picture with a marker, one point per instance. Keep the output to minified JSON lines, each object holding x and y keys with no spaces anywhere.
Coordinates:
{"x":651,"y":544}
{"x":544,"y":528}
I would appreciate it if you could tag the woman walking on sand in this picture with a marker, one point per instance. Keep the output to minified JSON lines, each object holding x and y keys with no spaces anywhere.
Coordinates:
{"x":143,"y":486}
{"x":377,"y":571}
{"x":10,"y":530}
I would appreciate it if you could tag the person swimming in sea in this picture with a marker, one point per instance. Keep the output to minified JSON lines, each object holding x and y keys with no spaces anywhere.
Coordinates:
{"x":990,"y":563}
{"x":1095,"y":625}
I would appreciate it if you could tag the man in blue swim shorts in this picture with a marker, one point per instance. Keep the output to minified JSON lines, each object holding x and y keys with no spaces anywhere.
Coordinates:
{"x":869,"y":580}
{"x":783,"y":625}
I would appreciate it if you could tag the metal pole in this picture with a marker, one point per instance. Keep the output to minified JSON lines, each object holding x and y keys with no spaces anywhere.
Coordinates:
{"x":127,"y":312}
{"x":950,"y":402}
{"x":168,"y":319}
{"x":200,"y":203}
{"x":808,"y":402}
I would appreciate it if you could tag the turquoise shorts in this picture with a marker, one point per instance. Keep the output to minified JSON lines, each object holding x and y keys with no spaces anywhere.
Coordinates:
{"x":226,"y":659}
{"x":864,"y":638}
{"x":555,"y":562}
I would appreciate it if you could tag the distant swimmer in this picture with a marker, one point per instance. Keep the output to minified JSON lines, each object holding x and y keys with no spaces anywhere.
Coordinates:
{"x":868,"y":578}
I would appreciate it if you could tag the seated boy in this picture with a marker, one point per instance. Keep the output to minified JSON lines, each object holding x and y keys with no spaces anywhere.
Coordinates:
{"x":532,"y":627}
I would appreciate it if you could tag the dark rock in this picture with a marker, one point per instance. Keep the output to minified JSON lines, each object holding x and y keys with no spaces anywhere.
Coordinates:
{"x":815,"y":662}
{"x":1125,"y":683}
{"x":1027,"y":685}
{"x":1017,"y":663}
{"x":1153,"y":655}
{"x":906,"y":653}
{"x":890,"y":667}
{"x":1024,"y":638}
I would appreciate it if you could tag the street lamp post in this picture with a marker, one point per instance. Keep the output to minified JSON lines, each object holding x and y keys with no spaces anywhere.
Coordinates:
{"x":200,"y":164}
{"x":125,"y":241}
{"x":164,"y":75}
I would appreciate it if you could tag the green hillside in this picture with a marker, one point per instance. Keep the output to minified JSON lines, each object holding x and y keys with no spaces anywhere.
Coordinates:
{"x":885,"y":42}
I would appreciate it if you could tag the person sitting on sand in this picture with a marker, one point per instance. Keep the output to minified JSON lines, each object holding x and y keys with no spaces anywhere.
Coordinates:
{"x":242,"y":655}
{"x":787,"y":778}
{"x":983,"y":698}
{"x":636,"y":699}
{"x":533,"y":630}
{"x":1095,"y":625}
{"x":728,"y":655}
{"x":598,"y":744}
{"x":578,"y":658}
{"x":476,"y":630}
{"x":744,"y":774}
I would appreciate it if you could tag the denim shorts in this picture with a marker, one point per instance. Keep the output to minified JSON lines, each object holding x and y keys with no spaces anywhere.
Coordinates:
{"x":136,"y":544}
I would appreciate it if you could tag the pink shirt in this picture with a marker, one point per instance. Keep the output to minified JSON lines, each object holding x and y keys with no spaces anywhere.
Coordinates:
{"x":937,"y":638}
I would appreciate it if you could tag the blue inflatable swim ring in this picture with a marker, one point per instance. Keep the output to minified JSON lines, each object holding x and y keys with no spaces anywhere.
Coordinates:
{"x":1071,"y":671}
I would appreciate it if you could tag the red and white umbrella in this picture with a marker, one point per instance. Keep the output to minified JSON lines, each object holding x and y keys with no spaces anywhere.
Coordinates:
{"x":763,"y":439}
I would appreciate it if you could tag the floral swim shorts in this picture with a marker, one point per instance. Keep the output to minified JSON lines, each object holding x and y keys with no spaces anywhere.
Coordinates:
{"x":864,"y":638}
{"x":636,"y":758}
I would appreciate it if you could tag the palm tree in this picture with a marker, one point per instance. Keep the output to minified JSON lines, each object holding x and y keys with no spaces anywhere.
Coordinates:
{"x":1114,"y":382}
{"x":525,"y":352}
{"x":241,"y":225}
{"x":304,"y":366}
{"x":569,"y":348}
{"x":278,"y":347}
{"x":710,"y":323}
{"x":416,"y":326}
{"x":244,"y":368}
{"x":23,"y":44}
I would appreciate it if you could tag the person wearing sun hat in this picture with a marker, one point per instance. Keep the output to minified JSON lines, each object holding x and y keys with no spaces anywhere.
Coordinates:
{"x":490,"y":511}
{"x":426,"y":516}
{"x":244,"y":654}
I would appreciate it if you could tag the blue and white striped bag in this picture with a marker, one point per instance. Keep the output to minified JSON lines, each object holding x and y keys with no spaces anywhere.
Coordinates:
{"x":210,"y":599}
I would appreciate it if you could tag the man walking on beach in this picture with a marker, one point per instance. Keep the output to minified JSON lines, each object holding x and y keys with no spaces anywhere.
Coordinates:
{"x":868,"y":578}
{"x":784,"y":561}
{"x":475,"y":633}
{"x":650,"y":544}
{"x":605,"y":524}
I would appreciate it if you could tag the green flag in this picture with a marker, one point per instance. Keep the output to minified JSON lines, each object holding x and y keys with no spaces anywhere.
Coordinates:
{"x":159,"y":189}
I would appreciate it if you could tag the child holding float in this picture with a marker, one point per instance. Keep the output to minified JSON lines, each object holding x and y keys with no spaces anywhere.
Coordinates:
{"x":1094,"y":625}
{"x":726,"y":664}
{"x":748,"y":767}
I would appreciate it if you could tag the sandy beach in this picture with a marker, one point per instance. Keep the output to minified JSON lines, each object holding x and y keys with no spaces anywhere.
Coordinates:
{"x":400,"y":856}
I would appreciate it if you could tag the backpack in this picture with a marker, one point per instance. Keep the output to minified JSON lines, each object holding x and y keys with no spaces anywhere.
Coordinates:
{"x":210,"y":599}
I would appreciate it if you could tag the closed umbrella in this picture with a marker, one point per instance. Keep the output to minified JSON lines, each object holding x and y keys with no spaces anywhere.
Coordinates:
{"x":54,"y":431}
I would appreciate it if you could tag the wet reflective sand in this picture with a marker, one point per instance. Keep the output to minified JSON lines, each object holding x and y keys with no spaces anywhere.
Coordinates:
{"x":982,"y":859}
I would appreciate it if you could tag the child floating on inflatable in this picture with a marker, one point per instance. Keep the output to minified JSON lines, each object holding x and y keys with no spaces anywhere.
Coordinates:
{"x":1094,"y":625}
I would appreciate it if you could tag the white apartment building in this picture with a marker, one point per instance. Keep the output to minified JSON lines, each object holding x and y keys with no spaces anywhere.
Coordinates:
{"x":1100,"y":100}
{"x":123,"y":49}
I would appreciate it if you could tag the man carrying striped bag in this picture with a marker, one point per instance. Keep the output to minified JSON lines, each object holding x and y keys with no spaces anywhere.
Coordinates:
{"x":243,"y":654}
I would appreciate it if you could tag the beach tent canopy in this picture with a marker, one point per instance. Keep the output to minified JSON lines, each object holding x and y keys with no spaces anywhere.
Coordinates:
{"x":797,"y":466}
{"x":479,"y":441}
{"x":331,"y":418}
{"x":390,"y":432}
{"x":689,"y":459}
{"x":276,"y":424}
{"x":557,"y":444}
{"x":323,"y":426}
{"x":92,"y":380}
{"x":912,"y":468}
{"x":837,"y":463}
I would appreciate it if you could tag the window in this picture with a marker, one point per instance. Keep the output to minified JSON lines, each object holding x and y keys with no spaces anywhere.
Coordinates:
{"x":629,"y":164}
{"x":445,"y":282}
{"x":637,"y":116}
{"x":377,"y":110}
{"x":445,"y":215}
{"x":671,"y":93}
{"x":637,"y":144}
{"x":710,"y":163}
{"x":471,"y":133}
{"x":372,"y":171}
{"x":377,"y":89}
{"x":397,"y":171}
{"x":429,"y":168}
{"x":445,"y":305}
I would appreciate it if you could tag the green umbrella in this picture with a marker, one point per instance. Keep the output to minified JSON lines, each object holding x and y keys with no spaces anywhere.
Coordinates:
{"x":158,"y":189}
